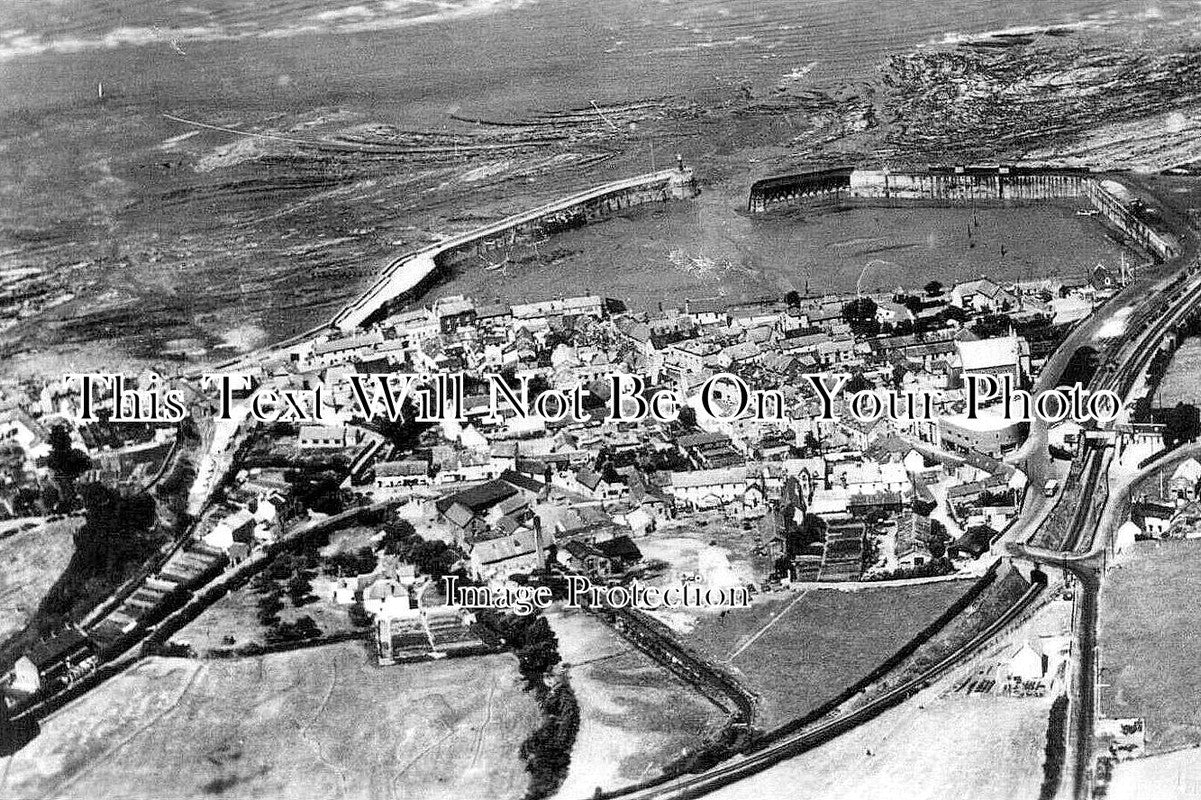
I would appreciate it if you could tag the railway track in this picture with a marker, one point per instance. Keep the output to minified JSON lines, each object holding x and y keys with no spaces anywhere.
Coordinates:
{"x":1148,"y":328}
{"x":741,"y":767}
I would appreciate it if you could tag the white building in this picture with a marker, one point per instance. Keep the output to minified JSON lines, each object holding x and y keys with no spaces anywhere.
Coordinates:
{"x":323,"y":436}
{"x":708,"y":488}
{"x":1004,"y":355}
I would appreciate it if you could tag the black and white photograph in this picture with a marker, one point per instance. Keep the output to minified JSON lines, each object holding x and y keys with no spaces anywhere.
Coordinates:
{"x":600,"y":400}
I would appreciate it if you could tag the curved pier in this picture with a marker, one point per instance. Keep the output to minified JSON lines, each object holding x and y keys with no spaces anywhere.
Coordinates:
{"x":409,"y":274}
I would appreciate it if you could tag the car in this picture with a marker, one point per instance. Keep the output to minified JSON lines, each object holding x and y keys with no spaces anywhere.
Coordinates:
{"x":1051,"y":487}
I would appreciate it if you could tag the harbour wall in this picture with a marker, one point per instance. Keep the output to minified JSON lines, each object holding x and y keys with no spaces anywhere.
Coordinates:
{"x":411,"y":274}
{"x":1112,"y":200}
{"x":957,"y":185}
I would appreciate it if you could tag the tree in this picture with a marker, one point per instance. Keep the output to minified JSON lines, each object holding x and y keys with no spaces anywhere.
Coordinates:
{"x":1142,"y":410}
{"x":66,"y":462}
{"x":913,"y":304}
{"x":317,"y":491}
{"x":25,"y":501}
{"x":12,"y":458}
{"x":933,"y":288}
{"x":398,"y":537}
{"x":357,"y":562}
{"x":188,"y":431}
{"x":434,"y":558}
{"x":405,"y":430}
{"x":262,"y":583}
{"x":1056,"y":748}
{"x":269,"y":607}
{"x":793,"y":298}
{"x":547,"y":751}
{"x":610,"y":474}
{"x":119,"y":534}
{"x":306,"y":628}
{"x":539,"y":650}
{"x":860,"y":314}
{"x":811,"y":529}
{"x":116,"y":526}
{"x":300,"y":590}
{"x":858,"y":383}
{"x":1180,"y":425}
{"x":953,"y":314}
{"x":359,"y":616}
{"x":938,"y":539}
{"x":51,"y":496}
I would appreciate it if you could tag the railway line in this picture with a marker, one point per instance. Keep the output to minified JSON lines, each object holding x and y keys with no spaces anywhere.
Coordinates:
{"x":741,"y":767}
{"x":1155,"y":314}
{"x":1146,"y":330}
{"x":1164,"y":309}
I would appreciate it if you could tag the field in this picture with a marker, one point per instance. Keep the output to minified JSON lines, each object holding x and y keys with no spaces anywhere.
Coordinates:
{"x":821,"y":640}
{"x":1179,"y":384}
{"x":30,"y":562}
{"x":312,"y":724}
{"x":920,"y":750}
{"x":726,"y":557}
{"x":1170,"y":776}
{"x":236,"y":615}
{"x":635,"y":716}
{"x":942,"y":743}
{"x":1150,"y":644}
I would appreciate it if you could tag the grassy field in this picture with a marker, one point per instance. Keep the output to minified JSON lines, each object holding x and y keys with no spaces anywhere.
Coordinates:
{"x":1150,"y":644}
{"x":939,"y":744}
{"x":317,"y":723}
{"x":822,"y":640}
{"x":1179,"y":384}
{"x":1170,"y":776}
{"x":236,"y":614}
{"x":635,"y":716}
{"x":30,"y":562}
{"x":921,"y":750}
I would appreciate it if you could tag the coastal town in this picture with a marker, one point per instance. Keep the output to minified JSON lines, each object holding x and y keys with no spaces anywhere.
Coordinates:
{"x":550,"y":401}
{"x":812,"y":499}
{"x":257,"y":532}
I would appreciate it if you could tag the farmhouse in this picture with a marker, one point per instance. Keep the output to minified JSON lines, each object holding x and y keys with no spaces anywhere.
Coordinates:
{"x":603,"y":558}
{"x":519,"y":553}
{"x":982,"y":295}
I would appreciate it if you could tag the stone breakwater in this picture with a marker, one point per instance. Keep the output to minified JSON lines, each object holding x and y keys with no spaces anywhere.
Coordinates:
{"x":958,"y":185}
